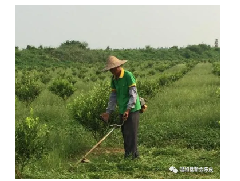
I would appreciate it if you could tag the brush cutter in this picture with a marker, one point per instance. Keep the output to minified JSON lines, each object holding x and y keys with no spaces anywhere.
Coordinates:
{"x":84,"y":159}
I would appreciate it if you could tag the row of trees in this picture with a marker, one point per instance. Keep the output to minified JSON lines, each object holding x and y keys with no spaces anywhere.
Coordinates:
{"x":84,"y":45}
{"x":71,"y":52}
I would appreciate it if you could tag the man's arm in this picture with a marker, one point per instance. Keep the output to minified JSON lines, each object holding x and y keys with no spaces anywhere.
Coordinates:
{"x":112,"y":102}
{"x":133,"y":97}
{"x":132,"y":101}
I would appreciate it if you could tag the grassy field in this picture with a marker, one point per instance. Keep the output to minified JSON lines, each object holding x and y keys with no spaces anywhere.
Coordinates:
{"x":180,"y":128}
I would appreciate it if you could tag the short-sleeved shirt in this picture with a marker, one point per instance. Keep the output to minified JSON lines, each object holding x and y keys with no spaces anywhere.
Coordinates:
{"x":121,"y":85}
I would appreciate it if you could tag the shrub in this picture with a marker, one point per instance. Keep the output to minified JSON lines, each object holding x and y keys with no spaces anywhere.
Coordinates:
{"x":163,"y":67}
{"x":81,"y":76}
{"x":70,"y":79}
{"x":86,"y":109}
{"x":147,"y":88}
{"x":87,"y":79}
{"x":98,"y":72}
{"x":74,"y":72}
{"x":62,"y":88}
{"x":101,"y":77}
{"x":142,"y":75}
{"x":160,"y":68}
{"x":149,"y":65}
{"x":26,"y":88}
{"x":83,"y":70}
{"x":216,"y":68}
{"x":30,"y":140}
{"x":94,"y":79}
{"x":177,"y":76}
{"x":151,"y":72}
{"x":53,"y":69}
{"x":136,"y":74}
{"x":164,"y":79}
{"x":45,"y":78}
{"x":132,"y":69}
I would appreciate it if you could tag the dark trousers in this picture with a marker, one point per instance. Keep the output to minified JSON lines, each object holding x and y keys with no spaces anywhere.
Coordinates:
{"x":129,"y":132}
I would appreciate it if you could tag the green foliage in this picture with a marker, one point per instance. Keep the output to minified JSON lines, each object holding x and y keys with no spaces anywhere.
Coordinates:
{"x":142,"y":75}
{"x":82,"y":45}
{"x":67,"y":76}
{"x":81,"y":76}
{"x":150,"y":87}
{"x":94,"y":79}
{"x":184,"y":116}
{"x":72,"y":52}
{"x":198,"y":50}
{"x":62,"y":88}
{"x":86,"y":109}
{"x":132,"y":69}
{"x":179,"y":107}
{"x":165,"y":79}
{"x":207,"y":139}
{"x":216,"y":68}
{"x":151,"y":72}
{"x":74,"y":72}
{"x":26,"y":88}
{"x":45,"y":78}
{"x":70,"y":78}
{"x":149,"y":65}
{"x":101,"y":77}
{"x":30,"y":139}
{"x":162,"y":67}
{"x":185,"y":128}
{"x":98,"y":72}
{"x":218,"y":92}
{"x":147,"y":88}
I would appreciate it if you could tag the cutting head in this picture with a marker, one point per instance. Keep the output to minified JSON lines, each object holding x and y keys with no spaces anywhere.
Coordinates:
{"x":85,"y":160}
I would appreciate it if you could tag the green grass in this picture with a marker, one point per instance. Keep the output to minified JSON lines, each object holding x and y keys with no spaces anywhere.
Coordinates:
{"x":175,"y":68}
{"x":180,"y":128}
{"x":153,"y":164}
{"x":184,"y":108}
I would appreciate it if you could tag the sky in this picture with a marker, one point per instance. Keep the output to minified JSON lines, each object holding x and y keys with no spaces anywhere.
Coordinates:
{"x":117,"y":26}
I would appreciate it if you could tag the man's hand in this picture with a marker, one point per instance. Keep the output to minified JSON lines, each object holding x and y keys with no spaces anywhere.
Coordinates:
{"x":143,"y":108}
{"x":105,"y":116}
{"x":125,"y":115}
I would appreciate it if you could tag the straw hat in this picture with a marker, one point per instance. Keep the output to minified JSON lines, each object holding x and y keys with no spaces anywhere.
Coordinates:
{"x":113,"y":62}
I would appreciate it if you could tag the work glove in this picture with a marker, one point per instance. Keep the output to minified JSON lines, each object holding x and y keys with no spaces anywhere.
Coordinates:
{"x":143,"y":108}
{"x":105,"y":117}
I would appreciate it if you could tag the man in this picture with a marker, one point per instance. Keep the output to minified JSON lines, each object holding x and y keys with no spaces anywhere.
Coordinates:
{"x":124,"y":93}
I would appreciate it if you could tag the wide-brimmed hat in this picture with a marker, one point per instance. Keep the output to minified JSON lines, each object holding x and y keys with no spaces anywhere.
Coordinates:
{"x":113,"y":62}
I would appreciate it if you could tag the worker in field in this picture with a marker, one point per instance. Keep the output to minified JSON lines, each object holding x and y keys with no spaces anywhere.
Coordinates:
{"x":124,"y":93}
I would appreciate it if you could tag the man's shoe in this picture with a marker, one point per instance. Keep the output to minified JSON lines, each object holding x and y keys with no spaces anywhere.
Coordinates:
{"x":127,"y":155}
{"x":135,"y":156}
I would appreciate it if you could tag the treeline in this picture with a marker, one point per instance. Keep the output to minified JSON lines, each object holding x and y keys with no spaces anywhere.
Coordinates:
{"x":71,"y":52}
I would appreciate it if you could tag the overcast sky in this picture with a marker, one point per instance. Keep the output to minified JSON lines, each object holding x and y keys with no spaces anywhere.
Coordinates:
{"x":117,"y":26}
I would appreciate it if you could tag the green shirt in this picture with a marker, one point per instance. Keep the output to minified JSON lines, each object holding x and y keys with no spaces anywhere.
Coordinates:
{"x":121,"y":85}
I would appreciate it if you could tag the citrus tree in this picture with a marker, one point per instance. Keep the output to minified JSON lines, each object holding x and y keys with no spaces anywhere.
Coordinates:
{"x":86,"y":109}
{"x":30,"y":140}
{"x":62,"y":87}
{"x":27,"y":88}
